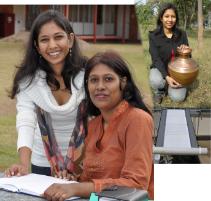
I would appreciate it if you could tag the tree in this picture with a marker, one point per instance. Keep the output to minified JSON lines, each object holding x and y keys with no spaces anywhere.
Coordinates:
{"x":145,"y":15}
{"x":200,"y":25}
{"x":187,"y":10}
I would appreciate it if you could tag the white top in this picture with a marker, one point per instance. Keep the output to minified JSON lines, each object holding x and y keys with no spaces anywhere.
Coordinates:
{"x":63,"y":117}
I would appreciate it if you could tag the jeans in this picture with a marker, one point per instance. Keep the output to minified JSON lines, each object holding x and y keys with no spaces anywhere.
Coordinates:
{"x":158,"y":84}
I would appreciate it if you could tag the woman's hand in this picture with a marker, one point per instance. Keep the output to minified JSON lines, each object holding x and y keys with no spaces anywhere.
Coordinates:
{"x":22,"y":168}
{"x":16,"y":170}
{"x":60,"y":192}
{"x":183,"y":47}
{"x":172,"y":83}
{"x":65,"y":175}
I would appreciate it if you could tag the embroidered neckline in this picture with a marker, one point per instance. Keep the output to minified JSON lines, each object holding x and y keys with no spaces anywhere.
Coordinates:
{"x":119,"y":110}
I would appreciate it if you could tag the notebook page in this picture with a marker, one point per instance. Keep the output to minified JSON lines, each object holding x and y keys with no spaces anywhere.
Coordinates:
{"x":32,"y":184}
{"x":9,"y":187}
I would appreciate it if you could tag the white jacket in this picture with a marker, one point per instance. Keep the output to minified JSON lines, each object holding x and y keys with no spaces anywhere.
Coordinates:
{"x":63,"y":117}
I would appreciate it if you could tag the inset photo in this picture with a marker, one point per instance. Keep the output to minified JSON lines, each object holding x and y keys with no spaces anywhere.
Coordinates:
{"x":176,"y":41}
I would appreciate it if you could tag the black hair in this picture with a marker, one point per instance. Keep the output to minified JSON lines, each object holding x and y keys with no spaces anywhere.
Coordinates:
{"x":175,"y":29}
{"x":113,"y":60}
{"x":163,"y":9}
{"x":32,"y":60}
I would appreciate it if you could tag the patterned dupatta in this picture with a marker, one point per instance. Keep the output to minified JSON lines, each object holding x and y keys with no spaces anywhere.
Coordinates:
{"x":73,"y":160}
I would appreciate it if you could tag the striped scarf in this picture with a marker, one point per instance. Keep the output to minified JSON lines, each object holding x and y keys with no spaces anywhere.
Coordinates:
{"x":73,"y":160}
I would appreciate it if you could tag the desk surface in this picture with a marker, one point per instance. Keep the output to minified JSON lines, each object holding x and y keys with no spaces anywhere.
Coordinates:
{"x":9,"y":196}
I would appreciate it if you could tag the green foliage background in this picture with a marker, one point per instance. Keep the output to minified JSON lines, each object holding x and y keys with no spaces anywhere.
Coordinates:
{"x":187,"y":9}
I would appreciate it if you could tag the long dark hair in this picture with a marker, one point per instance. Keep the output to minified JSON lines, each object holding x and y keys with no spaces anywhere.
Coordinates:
{"x":130,"y":92}
{"x":163,"y":9}
{"x":175,"y":29}
{"x":32,"y":60}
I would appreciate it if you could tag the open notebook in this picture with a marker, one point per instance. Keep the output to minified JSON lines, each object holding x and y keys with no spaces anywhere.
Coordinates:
{"x":31,"y":184}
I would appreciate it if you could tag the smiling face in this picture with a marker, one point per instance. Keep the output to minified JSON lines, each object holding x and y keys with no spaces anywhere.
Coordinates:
{"x":169,"y":19}
{"x":104,"y":88}
{"x":54,"y":44}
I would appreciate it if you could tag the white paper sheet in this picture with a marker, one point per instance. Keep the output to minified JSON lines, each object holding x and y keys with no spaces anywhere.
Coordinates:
{"x":32,"y":184}
{"x":176,"y":132}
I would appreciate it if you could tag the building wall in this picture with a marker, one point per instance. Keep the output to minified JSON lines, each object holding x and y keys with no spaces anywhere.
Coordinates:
{"x":120,"y":21}
{"x":102,"y":29}
{"x":81,"y":22}
{"x":82,"y":28}
{"x":6,"y":9}
{"x":105,"y":26}
{"x":7,"y":19}
{"x":19,"y":11}
{"x":134,"y":28}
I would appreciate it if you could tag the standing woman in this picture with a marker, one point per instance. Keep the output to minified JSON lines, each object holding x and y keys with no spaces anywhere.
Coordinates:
{"x":49,"y":88}
{"x":118,"y":146}
{"x":163,"y":44}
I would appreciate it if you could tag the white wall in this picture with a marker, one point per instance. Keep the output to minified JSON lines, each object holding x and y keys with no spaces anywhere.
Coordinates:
{"x":19,"y":11}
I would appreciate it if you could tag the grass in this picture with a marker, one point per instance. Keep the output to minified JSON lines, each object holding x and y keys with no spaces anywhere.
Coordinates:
{"x":199,"y":94}
{"x":11,"y":54}
{"x":8,"y":153}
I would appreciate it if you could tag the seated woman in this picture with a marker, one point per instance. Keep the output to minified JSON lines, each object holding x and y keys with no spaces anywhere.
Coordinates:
{"x":118,"y":146}
{"x":163,"y":43}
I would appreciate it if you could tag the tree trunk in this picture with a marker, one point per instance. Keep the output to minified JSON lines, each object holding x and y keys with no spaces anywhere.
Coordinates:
{"x":200,"y":25}
{"x":185,"y":22}
{"x":185,"y":17}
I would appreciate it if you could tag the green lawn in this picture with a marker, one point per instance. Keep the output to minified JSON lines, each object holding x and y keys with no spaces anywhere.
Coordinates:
{"x":11,"y":54}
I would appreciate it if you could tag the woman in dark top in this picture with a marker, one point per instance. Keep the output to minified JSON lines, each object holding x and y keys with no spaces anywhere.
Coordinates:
{"x":163,"y":42}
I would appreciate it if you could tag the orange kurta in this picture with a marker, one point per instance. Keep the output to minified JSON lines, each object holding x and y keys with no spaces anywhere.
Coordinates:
{"x":124,"y":155}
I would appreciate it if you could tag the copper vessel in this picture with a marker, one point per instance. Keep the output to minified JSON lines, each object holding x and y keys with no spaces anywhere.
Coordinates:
{"x":183,"y":69}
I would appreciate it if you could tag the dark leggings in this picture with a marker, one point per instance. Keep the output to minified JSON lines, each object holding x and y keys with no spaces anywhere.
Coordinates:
{"x":41,"y":170}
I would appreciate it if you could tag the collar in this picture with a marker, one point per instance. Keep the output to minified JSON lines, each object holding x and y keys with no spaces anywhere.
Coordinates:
{"x":120,"y":109}
{"x":174,"y":36}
